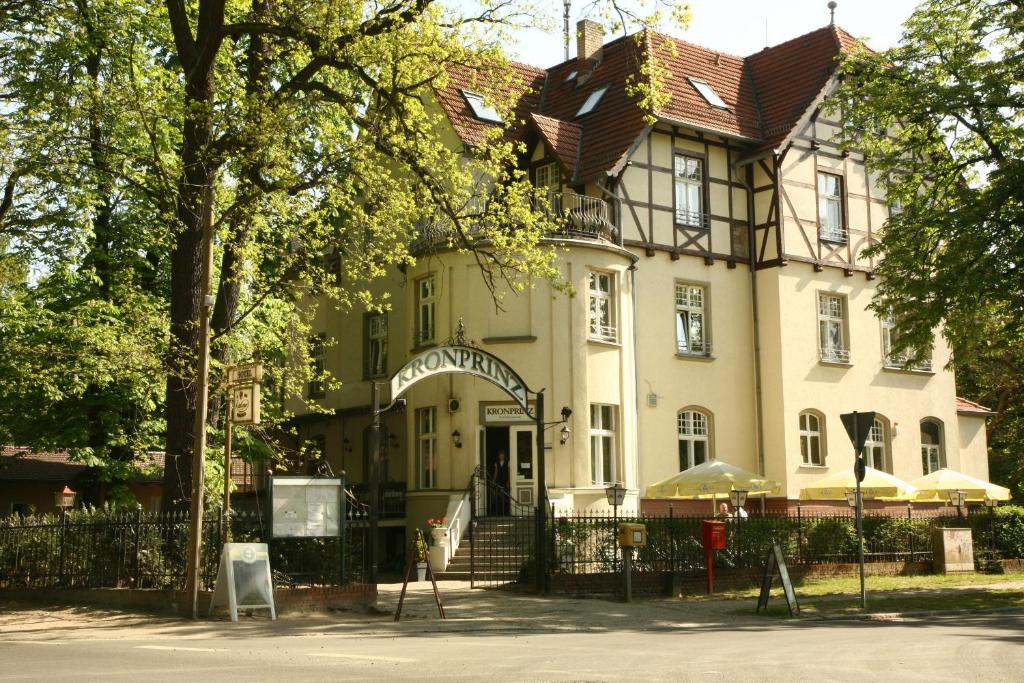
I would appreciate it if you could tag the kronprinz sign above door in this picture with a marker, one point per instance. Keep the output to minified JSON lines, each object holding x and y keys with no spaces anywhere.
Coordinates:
{"x":462,"y":359}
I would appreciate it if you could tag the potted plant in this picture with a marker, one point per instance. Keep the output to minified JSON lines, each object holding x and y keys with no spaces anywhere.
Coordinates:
{"x":421,"y":558}
{"x":438,"y":529}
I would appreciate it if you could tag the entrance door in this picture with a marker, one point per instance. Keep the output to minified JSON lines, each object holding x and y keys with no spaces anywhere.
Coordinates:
{"x":524,"y":464}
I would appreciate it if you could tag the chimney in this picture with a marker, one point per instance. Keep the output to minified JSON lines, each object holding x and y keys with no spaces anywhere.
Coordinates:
{"x":589,"y":39}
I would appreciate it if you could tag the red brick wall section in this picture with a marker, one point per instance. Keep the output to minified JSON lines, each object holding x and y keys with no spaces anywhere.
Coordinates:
{"x":286,"y":600}
{"x":694,"y":583}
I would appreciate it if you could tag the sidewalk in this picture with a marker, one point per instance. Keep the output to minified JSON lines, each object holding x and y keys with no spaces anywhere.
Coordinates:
{"x":468,"y":610}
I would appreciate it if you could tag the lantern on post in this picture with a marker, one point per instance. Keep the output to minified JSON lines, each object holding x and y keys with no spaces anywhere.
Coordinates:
{"x":65,"y":499}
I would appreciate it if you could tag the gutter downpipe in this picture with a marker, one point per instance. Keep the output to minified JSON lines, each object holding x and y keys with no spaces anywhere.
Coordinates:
{"x":748,"y":184}
{"x":636,"y":361}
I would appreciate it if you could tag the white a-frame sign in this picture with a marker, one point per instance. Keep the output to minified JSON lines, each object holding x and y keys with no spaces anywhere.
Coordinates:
{"x":243,"y":579}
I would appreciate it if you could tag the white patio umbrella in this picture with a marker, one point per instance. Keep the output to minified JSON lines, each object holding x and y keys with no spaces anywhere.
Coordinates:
{"x":876,"y":484}
{"x":935,"y":487}
{"x":712,"y":479}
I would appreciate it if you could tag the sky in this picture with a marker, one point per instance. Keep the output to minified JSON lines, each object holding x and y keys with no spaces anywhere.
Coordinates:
{"x":739,"y":27}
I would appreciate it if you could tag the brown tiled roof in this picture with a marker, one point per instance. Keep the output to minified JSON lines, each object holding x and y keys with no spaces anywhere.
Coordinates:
{"x":562,"y":137}
{"x":789,"y":76}
{"x":18,"y":463}
{"x":972,"y":408}
{"x":767,"y":94}
{"x":527,"y":79}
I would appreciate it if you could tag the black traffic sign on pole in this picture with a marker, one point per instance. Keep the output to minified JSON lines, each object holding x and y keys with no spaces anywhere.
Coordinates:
{"x":858,"y":425}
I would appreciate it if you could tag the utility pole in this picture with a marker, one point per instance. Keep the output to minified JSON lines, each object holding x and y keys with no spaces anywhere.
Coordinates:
{"x":195,"y":536}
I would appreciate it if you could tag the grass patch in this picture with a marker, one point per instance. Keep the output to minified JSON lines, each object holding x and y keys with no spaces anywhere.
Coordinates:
{"x":847,"y":585}
{"x":832,"y":606}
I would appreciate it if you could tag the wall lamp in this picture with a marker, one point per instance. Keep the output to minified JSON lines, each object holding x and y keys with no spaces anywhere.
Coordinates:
{"x":457,"y":438}
{"x":564,"y":434}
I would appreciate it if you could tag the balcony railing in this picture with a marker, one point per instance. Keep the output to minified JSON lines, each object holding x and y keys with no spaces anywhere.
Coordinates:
{"x":578,"y":216}
{"x":581,"y":216}
{"x":834,"y":354}
{"x":702,"y":348}
{"x":692,"y":219}
{"x":836,"y":234}
{"x":896,"y":361}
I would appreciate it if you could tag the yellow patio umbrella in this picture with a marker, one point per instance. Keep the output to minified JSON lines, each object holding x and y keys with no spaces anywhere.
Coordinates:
{"x":935,"y":487}
{"x":876,"y":484}
{"x":711,"y":479}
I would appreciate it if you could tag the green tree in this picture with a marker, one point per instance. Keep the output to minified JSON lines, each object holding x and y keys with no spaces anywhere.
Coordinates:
{"x":939,"y":118}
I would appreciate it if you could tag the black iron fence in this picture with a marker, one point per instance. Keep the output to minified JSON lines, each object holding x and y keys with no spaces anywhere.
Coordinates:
{"x":138,"y":549}
{"x":583,"y":544}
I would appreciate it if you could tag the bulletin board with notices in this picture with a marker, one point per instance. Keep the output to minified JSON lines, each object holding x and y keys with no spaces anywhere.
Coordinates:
{"x":306,"y":507}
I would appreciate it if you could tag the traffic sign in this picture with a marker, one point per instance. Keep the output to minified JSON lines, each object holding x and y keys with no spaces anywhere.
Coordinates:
{"x":858,"y":425}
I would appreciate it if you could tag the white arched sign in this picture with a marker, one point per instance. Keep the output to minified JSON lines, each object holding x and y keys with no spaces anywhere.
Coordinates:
{"x":461,"y":359}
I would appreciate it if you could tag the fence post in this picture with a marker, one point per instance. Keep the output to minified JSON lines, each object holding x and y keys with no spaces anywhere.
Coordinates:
{"x":799,"y":533}
{"x":63,"y":536}
{"x":138,"y":547}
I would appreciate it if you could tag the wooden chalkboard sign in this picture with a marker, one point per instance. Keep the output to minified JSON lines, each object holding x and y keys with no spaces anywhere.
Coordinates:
{"x":777,"y":562}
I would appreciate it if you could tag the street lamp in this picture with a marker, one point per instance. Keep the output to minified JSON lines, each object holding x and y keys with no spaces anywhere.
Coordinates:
{"x":615,"y":494}
{"x":65,"y":499}
{"x":957,"y":498}
{"x":564,"y":434}
{"x":738,"y":497}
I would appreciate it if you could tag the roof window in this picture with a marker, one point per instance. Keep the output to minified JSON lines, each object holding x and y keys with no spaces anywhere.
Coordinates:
{"x":481,"y":109}
{"x":708,"y":93}
{"x":572,"y":75}
{"x":592,"y":99}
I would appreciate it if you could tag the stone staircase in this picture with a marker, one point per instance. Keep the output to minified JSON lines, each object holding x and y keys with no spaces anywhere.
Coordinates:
{"x":502,"y":547}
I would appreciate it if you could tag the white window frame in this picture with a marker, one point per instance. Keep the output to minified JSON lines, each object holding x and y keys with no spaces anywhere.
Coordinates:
{"x":593,"y":99}
{"x":377,"y":345}
{"x":547,"y":177}
{"x":708,"y":93}
{"x":693,"y":426}
{"x":691,"y":308}
{"x":602,"y":443}
{"x":606,"y":329}
{"x":689,"y":188}
{"x":832,"y":316}
{"x":426,"y":310}
{"x":810,"y":435}
{"x":892,"y":360}
{"x":932,"y":453}
{"x":480,"y":108}
{"x":877,"y":440}
{"x":828,"y":229}
{"x":426,"y":447}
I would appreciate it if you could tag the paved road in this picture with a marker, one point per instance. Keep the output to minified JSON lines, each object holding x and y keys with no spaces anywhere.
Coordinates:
{"x":953,"y":648}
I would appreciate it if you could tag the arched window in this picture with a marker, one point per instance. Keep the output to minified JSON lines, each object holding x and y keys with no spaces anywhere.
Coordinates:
{"x":876,"y":447}
{"x":932,"y":457}
{"x":812,"y":443}
{"x":694,"y":437}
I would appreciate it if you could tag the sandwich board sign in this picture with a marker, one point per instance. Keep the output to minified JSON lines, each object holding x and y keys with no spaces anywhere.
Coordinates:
{"x":776,"y":562}
{"x":243,"y":579}
{"x":306,"y":507}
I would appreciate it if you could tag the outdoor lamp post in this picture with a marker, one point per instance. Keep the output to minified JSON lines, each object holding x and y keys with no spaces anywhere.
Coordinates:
{"x":616,"y":493}
{"x":957,"y":498}
{"x":738,"y":497}
{"x":65,"y":499}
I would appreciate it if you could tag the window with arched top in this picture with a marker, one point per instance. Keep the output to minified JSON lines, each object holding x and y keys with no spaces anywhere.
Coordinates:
{"x":932,"y":456}
{"x":876,"y":447}
{"x":694,"y":428}
{"x":812,"y":437}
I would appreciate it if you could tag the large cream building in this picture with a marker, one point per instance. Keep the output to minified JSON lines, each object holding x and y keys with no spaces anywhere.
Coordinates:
{"x":720,"y":306}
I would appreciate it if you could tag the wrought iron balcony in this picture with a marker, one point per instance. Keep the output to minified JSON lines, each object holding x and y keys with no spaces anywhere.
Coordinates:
{"x":834,"y":354}
{"x":581,"y":216}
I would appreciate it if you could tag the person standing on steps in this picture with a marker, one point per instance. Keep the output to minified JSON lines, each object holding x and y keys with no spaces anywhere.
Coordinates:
{"x":500,"y":477}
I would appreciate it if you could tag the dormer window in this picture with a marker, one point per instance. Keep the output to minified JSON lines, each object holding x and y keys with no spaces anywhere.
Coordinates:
{"x":481,"y":109}
{"x":708,"y":93}
{"x":592,"y":100}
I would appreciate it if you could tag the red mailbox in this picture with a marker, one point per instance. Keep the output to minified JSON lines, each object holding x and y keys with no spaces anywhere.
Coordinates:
{"x":713,"y":534}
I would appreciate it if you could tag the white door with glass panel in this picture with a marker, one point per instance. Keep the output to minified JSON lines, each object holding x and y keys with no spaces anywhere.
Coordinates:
{"x":522,"y":442}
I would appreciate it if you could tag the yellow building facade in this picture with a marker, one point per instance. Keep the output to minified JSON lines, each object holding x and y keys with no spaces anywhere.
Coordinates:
{"x":720,"y":305}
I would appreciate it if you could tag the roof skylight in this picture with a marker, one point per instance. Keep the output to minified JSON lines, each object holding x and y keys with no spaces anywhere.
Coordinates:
{"x":708,"y":93}
{"x":481,"y":109}
{"x":572,"y":75}
{"x":592,"y":101}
